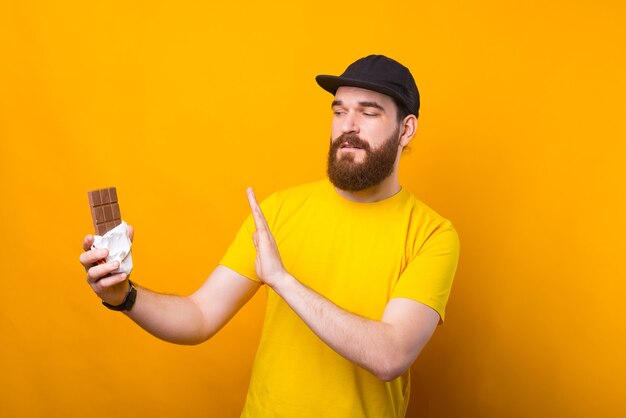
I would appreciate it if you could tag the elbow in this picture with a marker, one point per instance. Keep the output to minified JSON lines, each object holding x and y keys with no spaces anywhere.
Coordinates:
{"x":389,"y":375}
{"x":198,"y":336}
{"x":394,"y":364}
{"x":190,"y":338}
{"x":388,"y":370}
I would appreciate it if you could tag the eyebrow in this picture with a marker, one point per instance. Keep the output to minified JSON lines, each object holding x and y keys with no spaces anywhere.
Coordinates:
{"x":362,"y":104}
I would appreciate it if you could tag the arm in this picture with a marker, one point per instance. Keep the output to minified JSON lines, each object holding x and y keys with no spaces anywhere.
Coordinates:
{"x":386,"y":348}
{"x":178,"y":319}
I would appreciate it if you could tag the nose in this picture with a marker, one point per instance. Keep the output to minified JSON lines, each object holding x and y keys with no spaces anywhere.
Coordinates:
{"x":349,"y":123}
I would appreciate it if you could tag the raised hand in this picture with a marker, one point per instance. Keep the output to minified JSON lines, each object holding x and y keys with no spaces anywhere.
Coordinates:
{"x":268,"y":264}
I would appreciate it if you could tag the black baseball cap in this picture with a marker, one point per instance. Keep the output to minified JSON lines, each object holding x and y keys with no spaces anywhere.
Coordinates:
{"x":380,"y":74}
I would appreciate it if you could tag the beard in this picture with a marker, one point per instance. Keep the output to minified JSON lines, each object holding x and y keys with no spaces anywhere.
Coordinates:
{"x":378,"y":164}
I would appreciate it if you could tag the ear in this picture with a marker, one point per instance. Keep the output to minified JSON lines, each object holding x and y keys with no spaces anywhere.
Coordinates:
{"x":408,"y":128}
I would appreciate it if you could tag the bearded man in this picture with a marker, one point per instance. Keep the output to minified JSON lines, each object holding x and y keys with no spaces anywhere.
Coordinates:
{"x":358,"y":269}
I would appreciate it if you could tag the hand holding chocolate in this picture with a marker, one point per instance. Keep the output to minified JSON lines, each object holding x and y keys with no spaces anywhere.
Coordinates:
{"x":111,"y":231}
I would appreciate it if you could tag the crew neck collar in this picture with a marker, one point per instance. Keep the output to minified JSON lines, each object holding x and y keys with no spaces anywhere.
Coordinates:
{"x":396,"y":198}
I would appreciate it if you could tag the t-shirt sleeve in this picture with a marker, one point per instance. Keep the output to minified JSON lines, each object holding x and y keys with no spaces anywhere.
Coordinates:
{"x":241,"y":253}
{"x":428,"y":276}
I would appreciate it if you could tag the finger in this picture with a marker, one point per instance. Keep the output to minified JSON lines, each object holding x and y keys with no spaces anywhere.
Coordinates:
{"x":264,"y":233}
{"x":91,"y":257}
{"x":112,"y":280}
{"x":131,"y":233}
{"x":257,"y":213}
{"x":96,"y":273}
{"x":87,"y":242}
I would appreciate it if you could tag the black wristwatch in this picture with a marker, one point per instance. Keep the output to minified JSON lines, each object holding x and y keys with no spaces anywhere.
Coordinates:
{"x":129,"y":301}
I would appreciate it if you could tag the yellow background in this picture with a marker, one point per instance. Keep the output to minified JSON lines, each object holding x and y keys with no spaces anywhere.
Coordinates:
{"x":181,"y":105}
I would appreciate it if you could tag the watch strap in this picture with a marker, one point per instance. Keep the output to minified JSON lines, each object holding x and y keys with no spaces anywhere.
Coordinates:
{"x":129,"y":300}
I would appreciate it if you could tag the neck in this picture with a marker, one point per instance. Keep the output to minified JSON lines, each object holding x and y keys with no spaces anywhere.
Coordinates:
{"x":389,"y":187}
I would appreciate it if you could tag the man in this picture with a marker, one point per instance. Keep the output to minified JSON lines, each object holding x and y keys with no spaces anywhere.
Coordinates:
{"x":359,"y":271}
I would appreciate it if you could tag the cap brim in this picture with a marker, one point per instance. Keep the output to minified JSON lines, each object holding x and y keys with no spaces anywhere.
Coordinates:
{"x":331,"y":83}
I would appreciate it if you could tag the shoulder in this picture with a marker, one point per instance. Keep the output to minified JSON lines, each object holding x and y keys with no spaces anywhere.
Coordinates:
{"x":419,"y":209}
{"x":426,"y":224}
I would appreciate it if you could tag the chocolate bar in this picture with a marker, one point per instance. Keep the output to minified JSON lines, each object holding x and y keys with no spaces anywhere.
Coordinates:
{"x":105,"y":210}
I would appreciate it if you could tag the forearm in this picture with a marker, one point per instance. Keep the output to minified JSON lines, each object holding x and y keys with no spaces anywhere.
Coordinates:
{"x":175,"y":319}
{"x":195,"y":318}
{"x":372,"y":345}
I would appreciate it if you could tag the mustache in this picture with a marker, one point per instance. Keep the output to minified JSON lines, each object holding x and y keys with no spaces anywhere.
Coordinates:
{"x":352,"y":140}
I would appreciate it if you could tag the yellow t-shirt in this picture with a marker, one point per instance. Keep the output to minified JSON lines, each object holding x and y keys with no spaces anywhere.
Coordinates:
{"x":359,"y":256}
